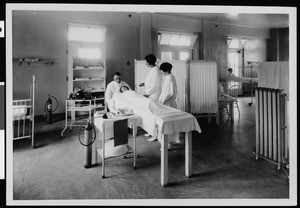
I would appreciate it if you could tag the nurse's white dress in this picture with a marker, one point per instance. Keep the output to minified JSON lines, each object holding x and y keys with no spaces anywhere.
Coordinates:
{"x":153,"y":83}
{"x":169,"y":93}
{"x":168,"y":97}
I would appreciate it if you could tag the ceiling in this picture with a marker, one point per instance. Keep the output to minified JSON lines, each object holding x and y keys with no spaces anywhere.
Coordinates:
{"x":243,"y":19}
{"x":250,"y":20}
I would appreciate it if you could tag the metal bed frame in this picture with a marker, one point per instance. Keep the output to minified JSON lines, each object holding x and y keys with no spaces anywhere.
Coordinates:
{"x":23,"y":125}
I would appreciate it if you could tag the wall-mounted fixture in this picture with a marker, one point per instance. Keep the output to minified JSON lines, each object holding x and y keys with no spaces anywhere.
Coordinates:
{"x":233,"y":14}
{"x":33,"y":62}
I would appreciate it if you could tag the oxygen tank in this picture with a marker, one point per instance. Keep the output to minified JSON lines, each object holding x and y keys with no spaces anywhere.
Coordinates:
{"x":88,"y":149}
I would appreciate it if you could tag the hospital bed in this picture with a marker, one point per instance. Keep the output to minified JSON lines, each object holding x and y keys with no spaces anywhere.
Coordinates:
{"x":23,"y":116}
{"x":167,"y":121}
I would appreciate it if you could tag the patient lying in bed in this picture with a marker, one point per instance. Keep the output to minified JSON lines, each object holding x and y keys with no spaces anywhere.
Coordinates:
{"x":131,"y":99}
{"x":168,"y":120}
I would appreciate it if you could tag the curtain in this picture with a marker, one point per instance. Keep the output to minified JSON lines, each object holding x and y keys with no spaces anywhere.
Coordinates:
{"x":274,"y":75}
{"x":203,"y":87}
{"x":140,"y":73}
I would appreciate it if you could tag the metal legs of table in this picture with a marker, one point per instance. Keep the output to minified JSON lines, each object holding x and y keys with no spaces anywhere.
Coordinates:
{"x":134,"y":133}
{"x":164,"y":157}
{"x":231,"y":110}
{"x":188,"y":154}
{"x":164,"y":160}
{"x":103,"y":151}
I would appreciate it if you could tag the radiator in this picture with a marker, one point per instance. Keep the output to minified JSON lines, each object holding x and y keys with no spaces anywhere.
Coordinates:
{"x":270,"y":115}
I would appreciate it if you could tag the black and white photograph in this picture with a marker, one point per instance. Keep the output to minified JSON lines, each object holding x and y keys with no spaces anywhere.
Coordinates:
{"x":150,"y":105}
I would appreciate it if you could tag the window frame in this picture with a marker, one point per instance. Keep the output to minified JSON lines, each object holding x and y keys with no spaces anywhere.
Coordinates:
{"x":86,"y":26}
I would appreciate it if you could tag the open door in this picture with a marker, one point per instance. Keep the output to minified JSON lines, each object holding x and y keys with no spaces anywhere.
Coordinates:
{"x":235,"y":54}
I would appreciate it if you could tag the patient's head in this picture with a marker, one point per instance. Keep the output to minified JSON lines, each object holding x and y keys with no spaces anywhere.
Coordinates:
{"x":123,"y":89}
{"x":230,"y":70}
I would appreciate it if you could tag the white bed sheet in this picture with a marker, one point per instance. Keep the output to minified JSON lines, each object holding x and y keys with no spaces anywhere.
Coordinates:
{"x":109,"y":124}
{"x":19,"y":111}
{"x":153,"y":114}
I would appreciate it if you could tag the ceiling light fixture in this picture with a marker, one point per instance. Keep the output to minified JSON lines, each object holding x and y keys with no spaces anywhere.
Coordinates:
{"x":234,"y":14}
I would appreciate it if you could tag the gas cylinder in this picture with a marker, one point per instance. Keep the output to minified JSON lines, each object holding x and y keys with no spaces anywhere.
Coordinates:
{"x":48,"y":106}
{"x":88,"y":133}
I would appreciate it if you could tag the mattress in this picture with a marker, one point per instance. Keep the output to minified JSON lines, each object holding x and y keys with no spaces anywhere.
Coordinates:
{"x":20,"y":111}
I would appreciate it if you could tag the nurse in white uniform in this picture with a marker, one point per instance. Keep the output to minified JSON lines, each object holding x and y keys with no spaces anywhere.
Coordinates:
{"x":153,"y":80}
{"x":168,"y":93}
{"x":168,"y":96}
{"x":113,"y":87}
{"x":152,"y":85}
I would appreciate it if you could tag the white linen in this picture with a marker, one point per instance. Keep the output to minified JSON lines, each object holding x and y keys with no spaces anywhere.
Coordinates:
{"x":19,"y":111}
{"x":274,"y":75}
{"x":169,"y":93}
{"x":169,"y":120}
{"x":108,"y":124}
{"x":153,"y":83}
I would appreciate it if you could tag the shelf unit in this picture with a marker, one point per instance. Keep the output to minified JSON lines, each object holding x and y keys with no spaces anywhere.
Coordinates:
{"x":87,"y":73}
{"x":79,"y":106}
{"x":87,"y":63}
{"x":34,"y":63}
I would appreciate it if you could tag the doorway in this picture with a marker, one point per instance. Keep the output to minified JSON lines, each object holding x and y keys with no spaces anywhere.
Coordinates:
{"x":236,"y":59}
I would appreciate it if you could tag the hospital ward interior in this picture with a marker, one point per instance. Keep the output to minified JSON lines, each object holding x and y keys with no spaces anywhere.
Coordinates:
{"x":225,"y":136}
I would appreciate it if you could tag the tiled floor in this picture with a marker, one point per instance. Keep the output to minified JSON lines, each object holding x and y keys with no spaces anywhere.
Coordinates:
{"x":224,"y":167}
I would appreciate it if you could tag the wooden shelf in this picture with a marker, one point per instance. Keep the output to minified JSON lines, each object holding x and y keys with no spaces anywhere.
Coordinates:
{"x":86,"y":73}
{"x":33,"y":63}
{"x":87,"y":79}
{"x":89,"y":68}
{"x":95,"y":91}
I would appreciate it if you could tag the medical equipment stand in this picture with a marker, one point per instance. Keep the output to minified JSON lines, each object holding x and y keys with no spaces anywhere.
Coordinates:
{"x":100,"y":126}
{"x":74,"y":106}
{"x":251,"y":85}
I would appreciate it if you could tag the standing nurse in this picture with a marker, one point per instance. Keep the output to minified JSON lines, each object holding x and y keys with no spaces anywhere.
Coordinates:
{"x":153,"y":80}
{"x":168,"y":97}
{"x":168,"y":93}
{"x":152,"y":86}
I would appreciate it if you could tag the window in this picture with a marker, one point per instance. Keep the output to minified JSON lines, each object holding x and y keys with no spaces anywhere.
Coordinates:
{"x":89,"y":40}
{"x":183,"y":56}
{"x":91,"y":53}
{"x":236,"y":43}
{"x":166,"y":55}
{"x":86,"y":33}
{"x":176,"y":39}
